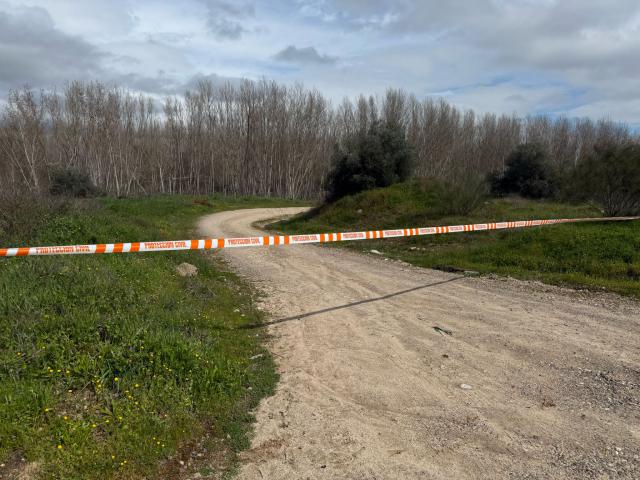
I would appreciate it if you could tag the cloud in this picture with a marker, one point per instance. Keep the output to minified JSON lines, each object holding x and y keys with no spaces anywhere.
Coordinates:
{"x":86,"y":18}
{"x":225,"y":19}
{"x":524,"y":56}
{"x":213,"y":78}
{"x":550,"y":34}
{"x":624,"y":111}
{"x":306,"y":55}
{"x":559,"y":45}
{"x":159,"y":85}
{"x":33,"y":51}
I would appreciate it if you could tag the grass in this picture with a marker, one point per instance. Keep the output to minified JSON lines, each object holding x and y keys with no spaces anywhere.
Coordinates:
{"x":111,"y":364}
{"x":593,"y":255}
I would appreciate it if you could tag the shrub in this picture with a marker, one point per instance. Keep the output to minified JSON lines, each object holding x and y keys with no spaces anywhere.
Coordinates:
{"x":71,"y":183}
{"x":378,"y":158}
{"x":465,"y":195}
{"x":23,"y":213}
{"x":611,"y":179}
{"x":528,"y":173}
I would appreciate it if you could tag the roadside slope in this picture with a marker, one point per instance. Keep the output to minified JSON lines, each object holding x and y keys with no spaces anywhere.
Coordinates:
{"x":370,"y":390}
{"x":580,"y":255}
{"x":115,"y":366}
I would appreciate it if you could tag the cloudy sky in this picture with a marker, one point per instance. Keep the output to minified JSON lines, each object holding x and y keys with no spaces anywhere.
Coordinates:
{"x":573,"y":57}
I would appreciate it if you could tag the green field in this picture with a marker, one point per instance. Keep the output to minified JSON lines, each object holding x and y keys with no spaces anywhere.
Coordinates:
{"x":112,"y":366}
{"x":593,"y":255}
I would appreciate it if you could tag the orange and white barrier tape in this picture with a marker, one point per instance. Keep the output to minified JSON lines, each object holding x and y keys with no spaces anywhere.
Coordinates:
{"x":218,"y":243}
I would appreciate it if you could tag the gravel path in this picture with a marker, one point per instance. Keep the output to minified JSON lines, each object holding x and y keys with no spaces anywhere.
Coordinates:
{"x":533,"y":381}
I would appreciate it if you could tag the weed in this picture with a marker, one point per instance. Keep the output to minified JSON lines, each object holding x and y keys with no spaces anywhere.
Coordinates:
{"x":110,"y":364}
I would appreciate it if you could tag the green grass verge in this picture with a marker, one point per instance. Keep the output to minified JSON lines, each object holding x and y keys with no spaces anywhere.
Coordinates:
{"x":594,"y":255}
{"x":111,"y":363}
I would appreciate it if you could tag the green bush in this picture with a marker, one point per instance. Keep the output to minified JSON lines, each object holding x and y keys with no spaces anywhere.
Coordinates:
{"x":464,"y":195}
{"x":528,"y":174}
{"x":23,"y":213}
{"x":611,"y":179}
{"x":378,"y":158}
{"x":72,"y":183}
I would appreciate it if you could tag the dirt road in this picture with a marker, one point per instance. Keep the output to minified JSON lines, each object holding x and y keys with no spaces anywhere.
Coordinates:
{"x":534,"y":381}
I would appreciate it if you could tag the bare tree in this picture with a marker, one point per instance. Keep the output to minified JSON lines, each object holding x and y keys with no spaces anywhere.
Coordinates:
{"x":256,"y":138}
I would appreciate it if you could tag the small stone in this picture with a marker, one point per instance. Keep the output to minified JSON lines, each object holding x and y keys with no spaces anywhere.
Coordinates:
{"x":464,"y":386}
{"x":255,"y":357}
{"x":187,"y":270}
{"x":376,"y":252}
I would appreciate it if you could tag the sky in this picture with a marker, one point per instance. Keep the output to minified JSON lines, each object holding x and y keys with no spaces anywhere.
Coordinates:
{"x":555,"y":57}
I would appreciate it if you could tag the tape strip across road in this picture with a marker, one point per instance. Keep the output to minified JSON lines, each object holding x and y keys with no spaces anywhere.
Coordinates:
{"x":279,"y":240}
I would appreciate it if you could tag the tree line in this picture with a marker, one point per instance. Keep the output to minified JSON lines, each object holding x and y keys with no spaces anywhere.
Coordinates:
{"x":256,"y":138}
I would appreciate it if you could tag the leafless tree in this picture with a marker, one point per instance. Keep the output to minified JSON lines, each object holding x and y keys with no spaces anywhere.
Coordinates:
{"x":256,"y":138}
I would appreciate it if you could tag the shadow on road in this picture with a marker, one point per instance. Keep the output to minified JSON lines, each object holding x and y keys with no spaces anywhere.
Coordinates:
{"x":347,"y":305}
